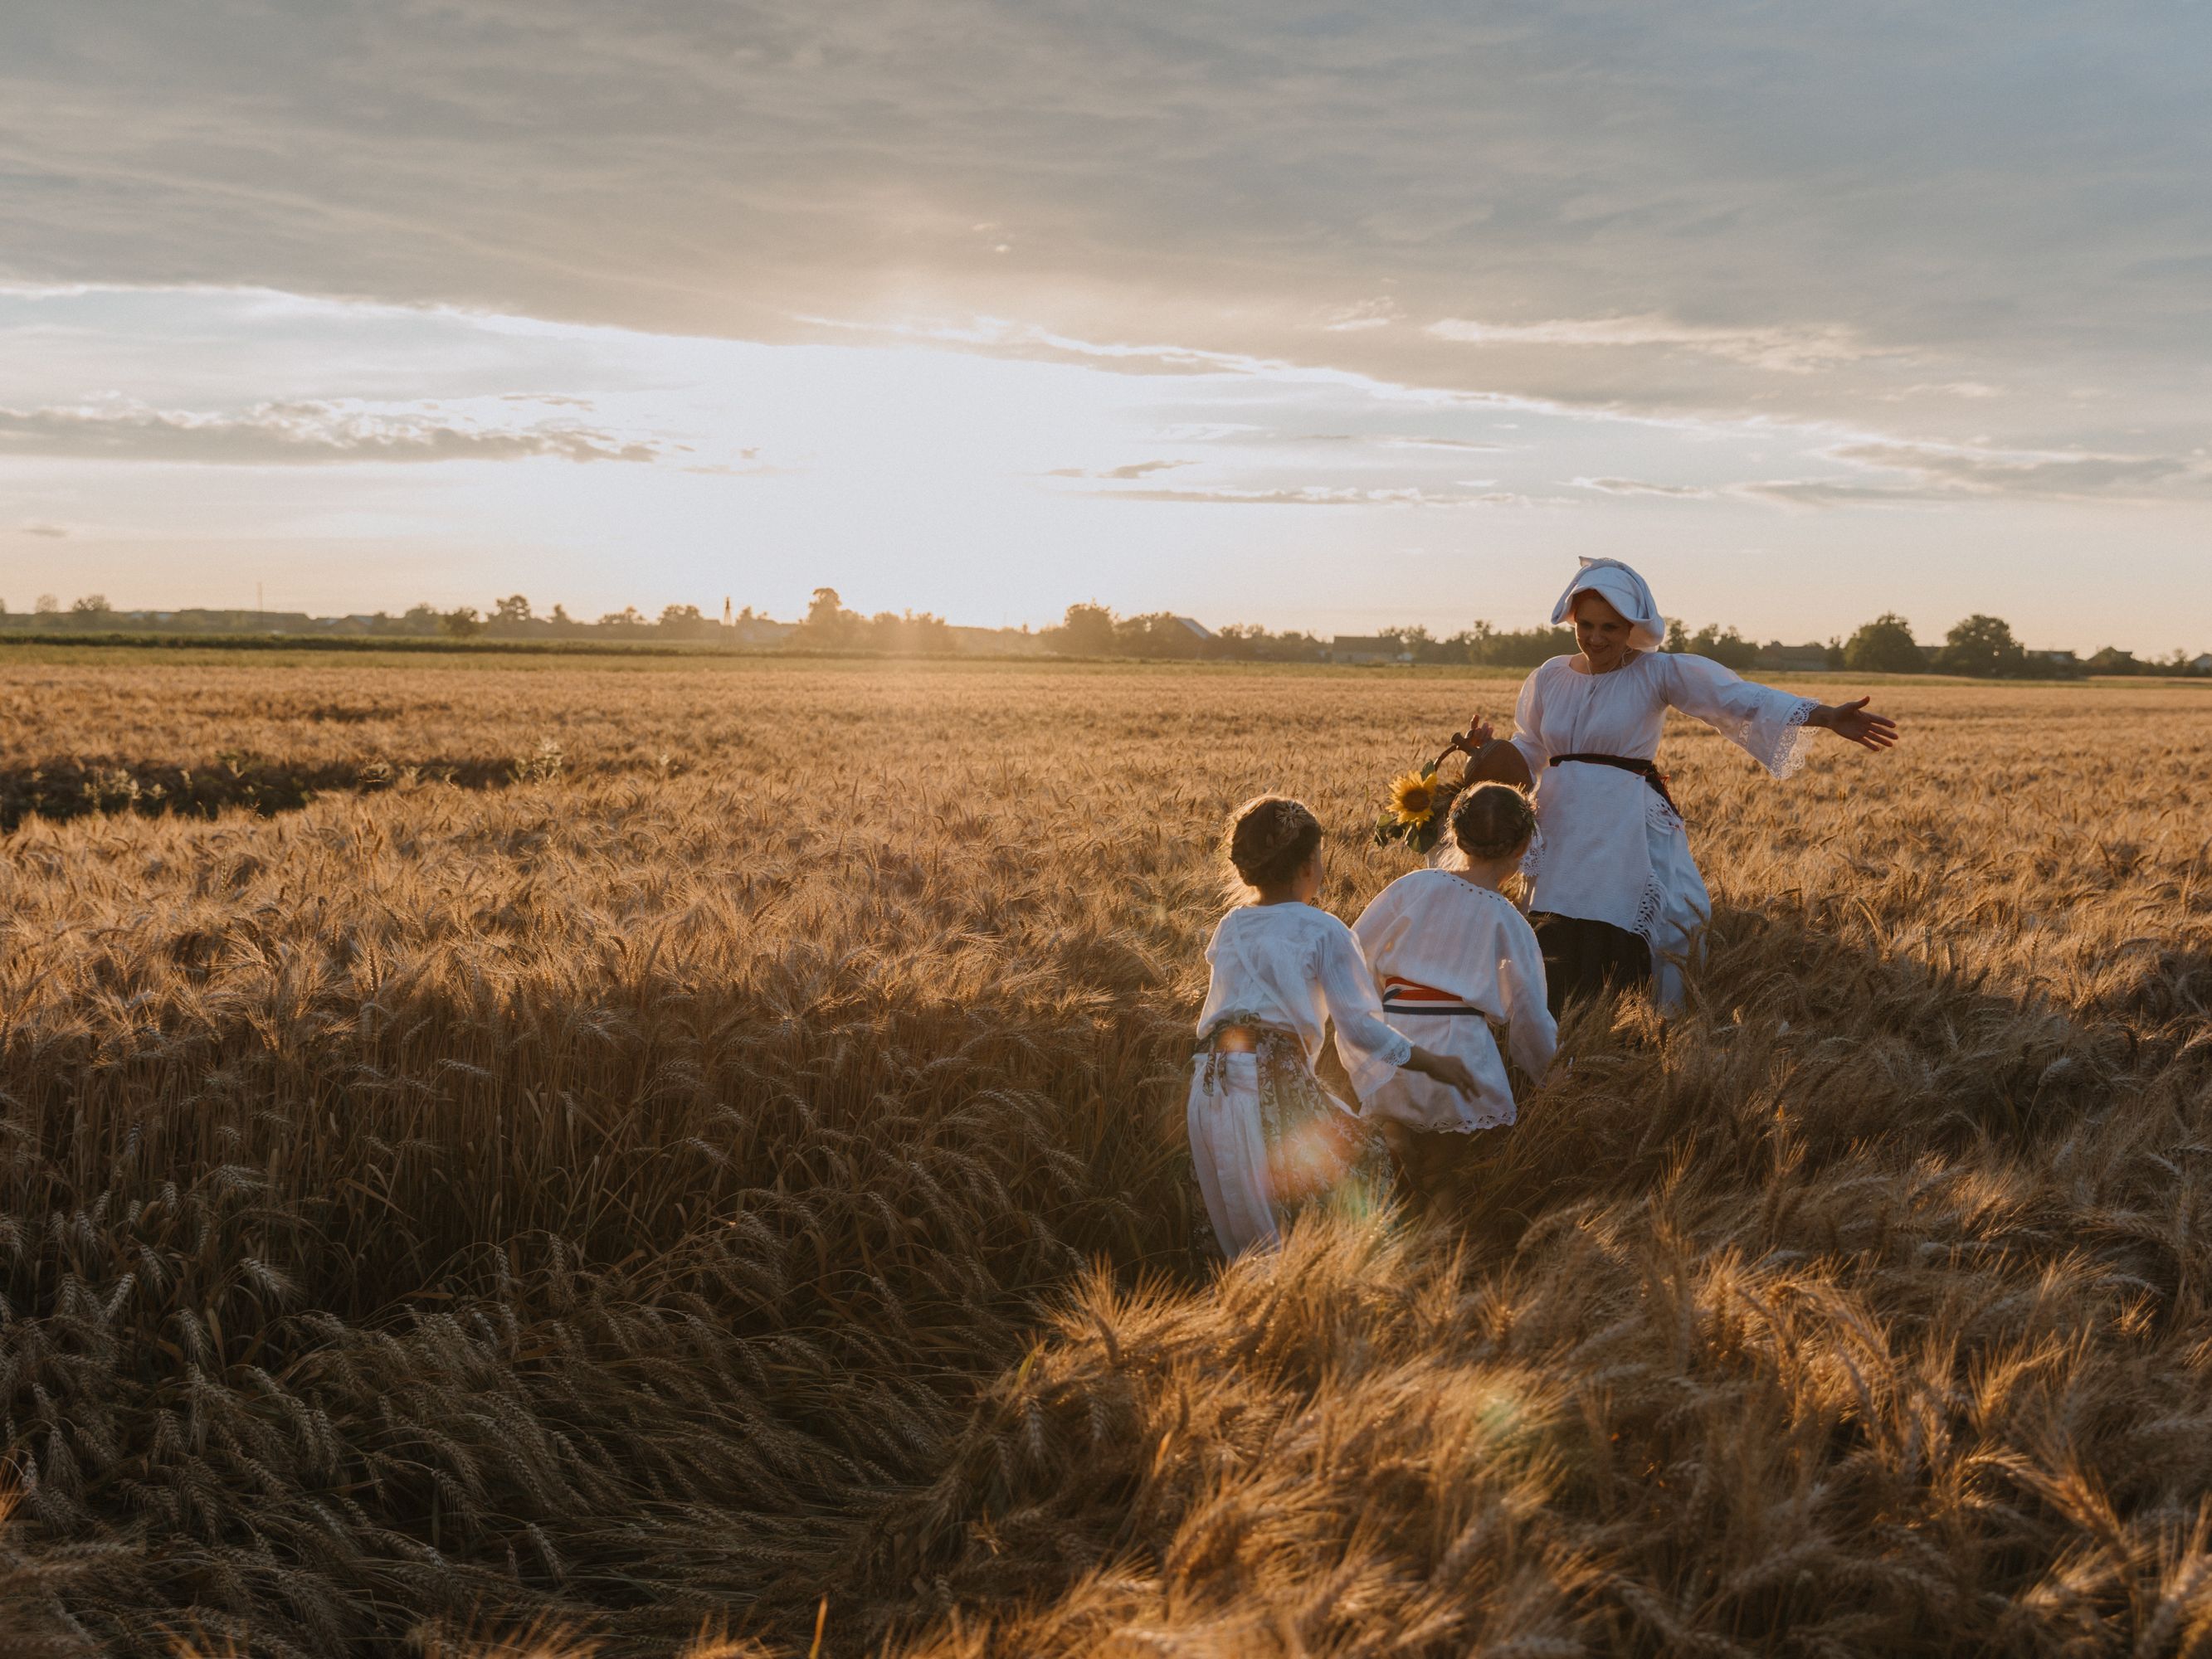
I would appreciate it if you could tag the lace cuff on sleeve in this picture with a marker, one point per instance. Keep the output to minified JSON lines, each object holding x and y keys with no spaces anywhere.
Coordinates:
{"x":1790,"y":742}
{"x":1766,"y":724}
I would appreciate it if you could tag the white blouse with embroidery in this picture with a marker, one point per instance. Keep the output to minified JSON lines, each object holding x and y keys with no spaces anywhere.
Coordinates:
{"x":1298,"y":967}
{"x":1448,"y":958}
{"x":1608,"y":847}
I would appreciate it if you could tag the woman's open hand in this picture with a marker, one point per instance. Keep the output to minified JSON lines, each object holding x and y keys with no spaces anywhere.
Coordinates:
{"x":1855,"y":723}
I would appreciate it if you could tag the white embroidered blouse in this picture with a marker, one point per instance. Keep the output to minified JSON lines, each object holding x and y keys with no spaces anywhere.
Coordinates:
{"x":1610,"y":848}
{"x":1448,"y":958}
{"x":1298,"y":967}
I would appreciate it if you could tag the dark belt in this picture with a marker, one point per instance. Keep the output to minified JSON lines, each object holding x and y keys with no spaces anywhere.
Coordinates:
{"x":1643,"y":769}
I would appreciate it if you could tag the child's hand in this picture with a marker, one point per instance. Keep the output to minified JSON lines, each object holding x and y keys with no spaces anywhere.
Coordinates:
{"x":1452,"y":1070}
{"x":1478,"y":731}
{"x":1447,"y":1069}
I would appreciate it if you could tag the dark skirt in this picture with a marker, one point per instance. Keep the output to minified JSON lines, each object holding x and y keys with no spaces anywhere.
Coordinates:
{"x":1586,"y":958}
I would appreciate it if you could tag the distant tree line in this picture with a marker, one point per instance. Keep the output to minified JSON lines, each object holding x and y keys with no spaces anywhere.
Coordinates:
{"x":1487,"y":646}
{"x":1983,"y":647}
{"x":831,"y":627}
{"x":511,"y":618}
{"x":828,"y":625}
{"x":1980,"y":647}
{"x":515,"y":618}
{"x":1092,"y":630}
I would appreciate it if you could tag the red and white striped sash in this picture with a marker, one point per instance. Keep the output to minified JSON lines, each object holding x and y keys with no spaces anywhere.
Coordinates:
{"x":1406,"y":996}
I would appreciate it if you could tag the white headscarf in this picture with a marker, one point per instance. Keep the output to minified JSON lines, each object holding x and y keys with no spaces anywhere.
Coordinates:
{"x":1625,"y":592}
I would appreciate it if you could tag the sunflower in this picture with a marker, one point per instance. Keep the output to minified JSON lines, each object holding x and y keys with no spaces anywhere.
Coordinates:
{"x":1415,"y":798}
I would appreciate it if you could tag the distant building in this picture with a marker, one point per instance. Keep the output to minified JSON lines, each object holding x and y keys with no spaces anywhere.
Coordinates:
{"x":1368,"y":648}
{"x":1779,"y":658}
{"x":759,"y":630}
{"x":997,"y":642}
{"x":1198,"y":630}
{"x":2201,"y":664}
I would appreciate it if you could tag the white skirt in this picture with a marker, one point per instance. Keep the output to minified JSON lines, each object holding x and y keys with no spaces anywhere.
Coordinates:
{"x":1612,"y":849}
{"x":1229,"y":1149}
{"x":1250,"y":1182}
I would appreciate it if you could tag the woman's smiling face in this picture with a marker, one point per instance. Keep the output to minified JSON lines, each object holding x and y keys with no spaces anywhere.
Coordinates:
{"x":1600,"y":631}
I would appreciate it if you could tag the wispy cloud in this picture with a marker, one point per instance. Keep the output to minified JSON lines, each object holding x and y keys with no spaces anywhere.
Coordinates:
{"x":53,"y":532}
{"x":1639,"y":487}
{"x":1970,"y":390}
{"x":1368,"y":314}
{"x":1324,"y":495}
{"x":1033,"y":343}
{"x":1397,"y":442}
{"x":2060,"y":473}
{"x":299,"y":433}
{"x":1133,"y":470}
{"x":1788,"y":350}
{"x":1889,"y":472}
{"x":1830,"y":492}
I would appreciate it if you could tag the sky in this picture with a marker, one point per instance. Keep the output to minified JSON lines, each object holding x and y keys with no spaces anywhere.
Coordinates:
{"x":1311,"y":316}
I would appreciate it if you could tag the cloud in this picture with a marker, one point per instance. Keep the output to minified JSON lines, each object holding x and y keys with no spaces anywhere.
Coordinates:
{"x":1789,"y":350}
{"x":295,"y":434}
{"x":1674,"y":208}
{"x":1368,"y":314}
{"x":58,"y":532}
{"x":1639,"y":487}
{"x":1829,"y":492}
{"x":1437,"y":443}
{"x":1971,"y":389}
{"x":1891,"y":471}
{"x":1001,"y":337}
{"x":1321,"y":495}
{"x":2067,"y":474}
{"x":1135,"y":470}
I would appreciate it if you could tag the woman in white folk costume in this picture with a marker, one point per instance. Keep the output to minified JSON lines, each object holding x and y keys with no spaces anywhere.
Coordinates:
{"x":1451,"y":954}
{"x":1266,"y":1136}
{"x":1616,"y":897}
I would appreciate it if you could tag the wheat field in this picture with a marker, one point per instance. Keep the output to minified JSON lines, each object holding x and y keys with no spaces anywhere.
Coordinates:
{"x":673,"y":1159}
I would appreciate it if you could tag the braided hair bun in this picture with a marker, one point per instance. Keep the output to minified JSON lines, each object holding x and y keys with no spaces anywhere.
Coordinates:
{"x":1492,"y":820}
{"x":1269,"y":840}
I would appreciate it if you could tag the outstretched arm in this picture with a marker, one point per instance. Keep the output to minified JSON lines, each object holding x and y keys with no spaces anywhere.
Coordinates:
{"x":1855,"y":723}
{"x":1768,"y":724}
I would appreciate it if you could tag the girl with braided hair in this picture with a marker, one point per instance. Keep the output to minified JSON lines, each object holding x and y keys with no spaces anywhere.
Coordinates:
{"x":1266,"y":1136}
{"x":1451,"y":954}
